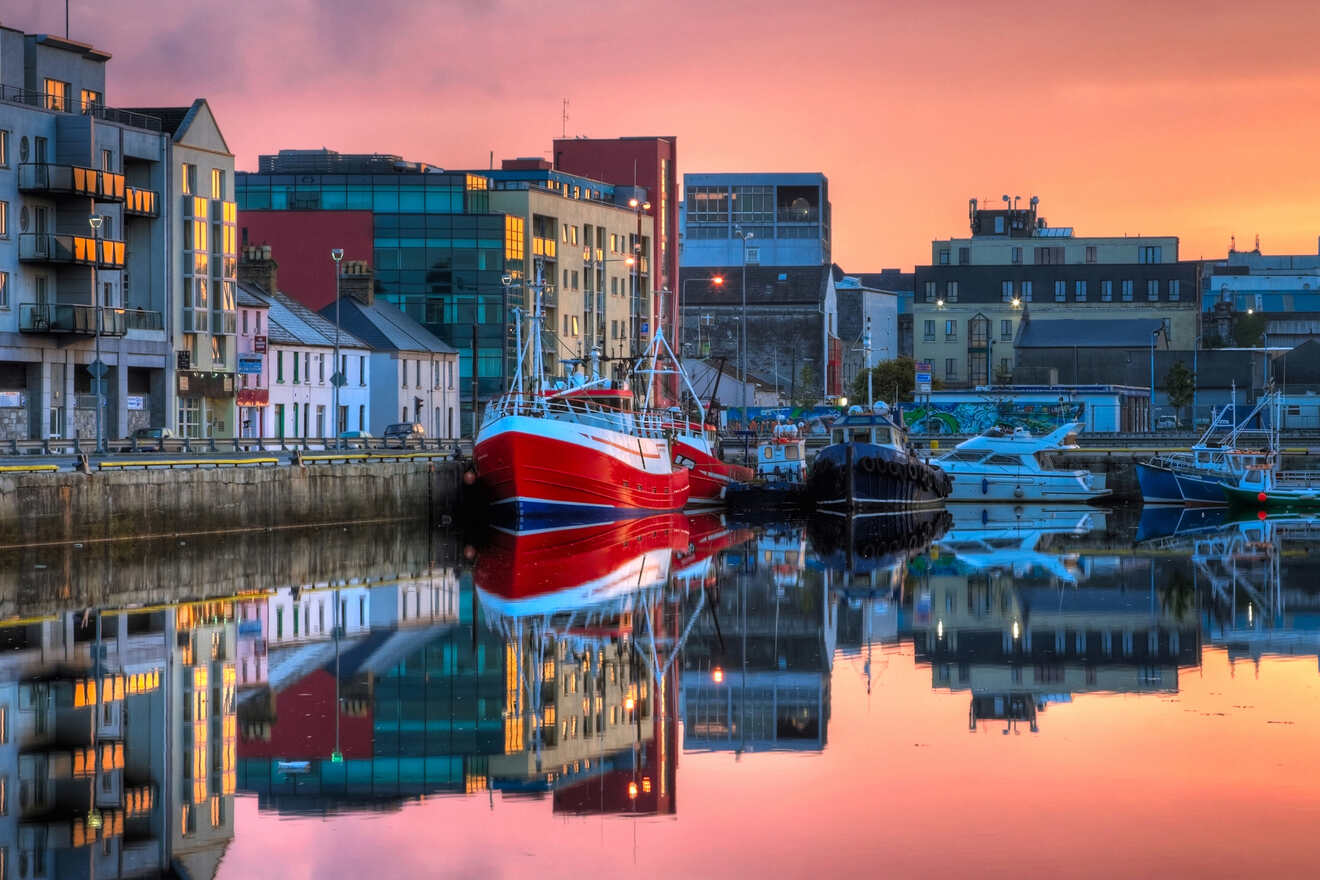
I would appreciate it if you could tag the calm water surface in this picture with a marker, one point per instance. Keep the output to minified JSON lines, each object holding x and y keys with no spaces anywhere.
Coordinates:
{"x":1004,"y":690}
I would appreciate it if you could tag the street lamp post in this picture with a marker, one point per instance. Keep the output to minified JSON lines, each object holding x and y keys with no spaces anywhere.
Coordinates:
{"x":336,"y":377}
{"x":98,"y":370}
{"x":742,"y":348}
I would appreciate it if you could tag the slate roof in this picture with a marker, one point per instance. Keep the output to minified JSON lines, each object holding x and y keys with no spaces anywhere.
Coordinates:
{"x":289,"y":322}
{"x":1082,"y":333}
{"x":384,"y":328}
{"x":886,"y":279}
{"x":766,"y":285}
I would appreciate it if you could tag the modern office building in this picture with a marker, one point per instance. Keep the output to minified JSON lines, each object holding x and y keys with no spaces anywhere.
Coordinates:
{"x":971,"y":299}
{"x":785,"y":216}
{"x":84,"y":229}
{"x":593,"y":244}
{"x":651,"y":163}
{"x":437,"y":249}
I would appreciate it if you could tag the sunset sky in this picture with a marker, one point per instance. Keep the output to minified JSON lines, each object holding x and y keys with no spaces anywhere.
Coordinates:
{"x":1194,"y":119}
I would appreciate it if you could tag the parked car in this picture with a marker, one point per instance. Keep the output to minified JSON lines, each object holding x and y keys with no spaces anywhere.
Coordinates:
{"x":1166,"y":423}
{"x":148,"y":439}
{"x":404,"y":434}
{"x":354,"y":435}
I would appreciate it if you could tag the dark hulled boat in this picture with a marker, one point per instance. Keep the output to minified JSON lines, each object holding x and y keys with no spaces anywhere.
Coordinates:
{"x":869,"y":464}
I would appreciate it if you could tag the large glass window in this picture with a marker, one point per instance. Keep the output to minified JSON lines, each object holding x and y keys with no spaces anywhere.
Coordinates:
{"x":57,"y":95}
{"x":753,"y":204}
{"x":707,"y":204}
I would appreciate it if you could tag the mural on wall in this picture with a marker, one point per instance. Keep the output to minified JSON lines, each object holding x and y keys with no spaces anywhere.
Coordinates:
{"x":938,"y":418}
{"x":974,"y":418}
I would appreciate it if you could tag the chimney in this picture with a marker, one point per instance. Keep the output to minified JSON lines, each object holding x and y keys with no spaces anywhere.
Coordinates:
{"x":356,"y":280}
{"x":256,"y":266}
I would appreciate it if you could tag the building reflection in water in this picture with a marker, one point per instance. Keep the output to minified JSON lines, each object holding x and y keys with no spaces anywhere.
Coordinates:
{"x":1005,"y":611}
{"x":119,"y":734}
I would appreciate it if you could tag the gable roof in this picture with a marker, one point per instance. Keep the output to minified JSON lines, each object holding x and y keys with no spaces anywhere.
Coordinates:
{"x":177,"y":120}
{"x":384,"y":328}
{"x":1083,"y":333}
{"x":292,"y":323}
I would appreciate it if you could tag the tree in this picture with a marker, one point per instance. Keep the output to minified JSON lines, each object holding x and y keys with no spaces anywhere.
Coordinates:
{"x":1249,"y":329}
{"x":1179,"y":385}
{"x":887,"y":378}
{"x":808,"y":386}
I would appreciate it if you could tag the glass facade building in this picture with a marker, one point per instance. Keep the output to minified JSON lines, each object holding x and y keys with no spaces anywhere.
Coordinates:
{"x":438,"y":252}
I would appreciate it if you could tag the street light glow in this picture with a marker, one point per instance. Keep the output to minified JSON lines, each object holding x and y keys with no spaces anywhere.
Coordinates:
{"x":718,"y":281}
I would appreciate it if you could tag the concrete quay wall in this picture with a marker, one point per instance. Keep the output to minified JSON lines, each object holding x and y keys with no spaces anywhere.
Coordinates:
{"x":72,"y":506}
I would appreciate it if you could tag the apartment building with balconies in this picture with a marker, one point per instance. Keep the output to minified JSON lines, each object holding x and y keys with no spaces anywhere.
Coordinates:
{"x":83,"y":285}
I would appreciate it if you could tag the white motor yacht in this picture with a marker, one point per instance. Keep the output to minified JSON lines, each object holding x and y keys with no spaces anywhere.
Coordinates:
{"x":1012,"y":465}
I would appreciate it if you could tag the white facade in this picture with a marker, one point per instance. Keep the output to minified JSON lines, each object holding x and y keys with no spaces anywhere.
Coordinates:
{"x":309,"y":615}
{"x":415,"y":386}
{"x":301,"y":396}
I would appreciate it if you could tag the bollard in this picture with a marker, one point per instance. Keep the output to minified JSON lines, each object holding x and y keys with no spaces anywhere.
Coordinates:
{"x":82,"y":464}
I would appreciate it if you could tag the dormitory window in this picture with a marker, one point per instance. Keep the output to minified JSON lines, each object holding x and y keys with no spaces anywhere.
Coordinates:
{"x":1060,"y":291}
{"x":1127,"y":291}
{"x":1152,"y":290}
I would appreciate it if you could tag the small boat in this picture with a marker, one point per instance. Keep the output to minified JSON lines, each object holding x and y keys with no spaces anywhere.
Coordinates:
{"x":1265,"y":488}
{"x":781,"y":472}
{"x":1012,"y":465}
{"x":576,"y":453}
{"x":1221,"y":455}
{"x":869,"y":463}
{"x":293,"y":768}
{"x":696,"y":447}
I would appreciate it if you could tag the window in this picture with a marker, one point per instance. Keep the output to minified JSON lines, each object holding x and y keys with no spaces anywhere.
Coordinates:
{"x":320,"y":369}
{"x":1127,"y":291}
{"x":964,"y":256}
{"x":4,"y":219}
{"x":1090,"y":253}
{"x":930,"y":291}
{"x":944,"y":256}
{"x":4,"y":149}
{"x":362,"y":370}
{"x":4,"y":290}
{"x":217,"y":183}
{"x":1050,"y":256}
{"x":1005,"y":369}
{"x":295,"y":371}
{"x":362,"y":417}
{"x":1152,"y":290}
{"x":57,"y":95}
{"x":1006,"y":291}
{"x":189,"y":179}
{"x":951,"y":291}
{"x":929,"y":334}
{"x":999,"y":225}
{"x":295,"y":434}
{"x":1079,"y":291}
{"x":245,"y":322}
{"x":1107,"y":291}
{"x":307,"y":367}
{"x":4,"y":724}
{"x":950,"y":329}
{"x":1150,"y":254}
{"x":1174,"y":292}
{"x":279,"y":366}
{"x":417,"y":373}
{"x":1026,"y":291}
{"x":1005,"y":330}
{"x":279,"y":432}
{"x":1017,"y":256}
{"x":950,"y":369}
{"x":1060,"y":291}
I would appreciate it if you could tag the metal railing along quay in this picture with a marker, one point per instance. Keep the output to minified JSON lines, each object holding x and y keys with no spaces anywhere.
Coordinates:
{"x":234,"y":451}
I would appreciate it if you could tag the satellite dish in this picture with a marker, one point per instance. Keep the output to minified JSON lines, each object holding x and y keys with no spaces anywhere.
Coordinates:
{"x":800,"y":207}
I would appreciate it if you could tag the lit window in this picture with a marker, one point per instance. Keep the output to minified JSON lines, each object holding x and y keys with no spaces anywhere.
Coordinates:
{"x":57,"y":95}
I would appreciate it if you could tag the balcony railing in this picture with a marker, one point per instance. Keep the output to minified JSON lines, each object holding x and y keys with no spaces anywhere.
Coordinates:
{"x":142,"y":319}
{"x":224,"y":323}
{"x":46,"y":247}
{"x":141,"y":202}
{"x":196,"y":320}
{"x":74,"y":180}
{"x":787,"y":215}
{"x":67,"y":104}
{"x":70,"y":318}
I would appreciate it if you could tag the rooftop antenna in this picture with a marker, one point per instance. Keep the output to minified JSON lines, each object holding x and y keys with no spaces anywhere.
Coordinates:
{"x":563,"y":119}
{"x":66,"y":19}
{"x":1257,"y":242}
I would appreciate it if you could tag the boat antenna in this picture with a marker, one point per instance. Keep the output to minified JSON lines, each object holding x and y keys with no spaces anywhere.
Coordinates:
{"x":866,"y":347}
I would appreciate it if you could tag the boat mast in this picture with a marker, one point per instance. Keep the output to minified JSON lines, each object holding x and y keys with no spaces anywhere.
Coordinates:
{"x":518,"y":347}
{"x":866,"y":348}
{"x":539,"y":383}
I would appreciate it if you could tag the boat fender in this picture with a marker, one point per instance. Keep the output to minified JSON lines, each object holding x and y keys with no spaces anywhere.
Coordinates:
{"x":985,"y":486}
{"x":1017,"y":491}
{"x":893,"y":468}
{"x":868,"y":465}
{"x":911,"y":471}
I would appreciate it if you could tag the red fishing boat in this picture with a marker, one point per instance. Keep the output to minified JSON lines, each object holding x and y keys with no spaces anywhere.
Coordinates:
{"x":578,"y":453}
{"x":696,"y":447}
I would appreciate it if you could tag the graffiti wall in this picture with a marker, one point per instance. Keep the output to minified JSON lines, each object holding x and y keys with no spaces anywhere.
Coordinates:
{"x":937,"y":418}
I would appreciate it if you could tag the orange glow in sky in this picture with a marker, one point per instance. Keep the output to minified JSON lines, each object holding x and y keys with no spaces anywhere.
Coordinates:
{"x":1186,"y":118}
